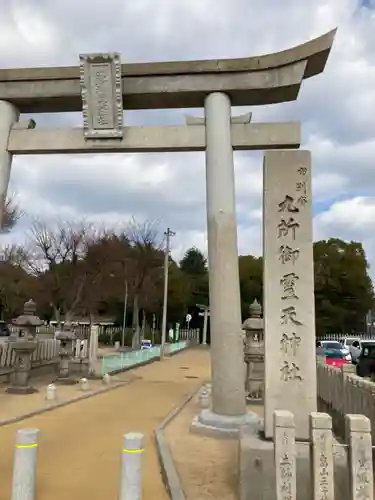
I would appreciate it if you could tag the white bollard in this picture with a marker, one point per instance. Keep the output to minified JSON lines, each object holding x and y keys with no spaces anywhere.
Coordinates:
{"x":117,"y":345}
{"x":51,"y":392}
{"x":24,"y":468}
{"x":84,"y":384}
{"x":107,"y":379}
{"x":131,"y":467}
{"x":204,"y":400}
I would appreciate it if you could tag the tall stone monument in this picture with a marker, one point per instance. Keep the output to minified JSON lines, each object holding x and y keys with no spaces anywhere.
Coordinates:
{"x":290,"y":364}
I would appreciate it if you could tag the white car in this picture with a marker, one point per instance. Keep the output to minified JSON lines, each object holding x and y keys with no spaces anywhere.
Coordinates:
{"x":348,"y":341}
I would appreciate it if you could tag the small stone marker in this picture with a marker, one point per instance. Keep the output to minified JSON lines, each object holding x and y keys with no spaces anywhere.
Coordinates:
{"x":107,"y":379}
{"x":358,"y":430}
{"x":84,"y":384}
{"x":322,"y":456}
{"x":51,"y":392}
{"x":285,"y":455}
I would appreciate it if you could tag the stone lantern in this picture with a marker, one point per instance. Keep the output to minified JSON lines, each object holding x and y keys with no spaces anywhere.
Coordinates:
{"x":66,"y":337}
{"x":254,"y":354}
{"x":24,"y":346}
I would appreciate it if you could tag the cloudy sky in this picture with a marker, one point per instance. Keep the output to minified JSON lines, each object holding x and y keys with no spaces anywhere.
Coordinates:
{"x":337,"y":111}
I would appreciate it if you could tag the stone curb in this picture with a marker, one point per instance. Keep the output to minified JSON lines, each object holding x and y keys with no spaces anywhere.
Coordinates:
{"x":169,"y":472}
{"x":116,"y":385}
{"x":33,"y":413}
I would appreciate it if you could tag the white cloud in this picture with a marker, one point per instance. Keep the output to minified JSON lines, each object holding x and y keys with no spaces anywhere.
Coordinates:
{"x":336,"y":110}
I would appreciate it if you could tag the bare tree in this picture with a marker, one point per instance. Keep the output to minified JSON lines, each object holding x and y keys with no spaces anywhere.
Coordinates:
{"x":16,"y":285}
{"x":56,"y":252}
{"x":10,"y":215}
{"x":147,"y":260}
{"x":100,"y":265}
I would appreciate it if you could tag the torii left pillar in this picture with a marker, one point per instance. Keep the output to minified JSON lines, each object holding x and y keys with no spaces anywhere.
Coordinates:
{"x":9,"y":115}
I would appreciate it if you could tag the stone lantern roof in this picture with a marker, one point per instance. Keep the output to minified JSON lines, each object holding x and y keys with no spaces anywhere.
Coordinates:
{"x":255,"y":321}
{"x":28,"y":318}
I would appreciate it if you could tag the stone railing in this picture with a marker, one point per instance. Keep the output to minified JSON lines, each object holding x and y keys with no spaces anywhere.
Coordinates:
{"x":191,"y":334}
{"x":47,"y":350}
{"x":360,"y":466}
{"x":341,"y":391}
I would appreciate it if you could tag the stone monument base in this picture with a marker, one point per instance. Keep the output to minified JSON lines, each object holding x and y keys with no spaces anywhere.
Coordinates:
{"x":257,"y":474}
{"x":21,"y":390}
{"x":211,"y":424}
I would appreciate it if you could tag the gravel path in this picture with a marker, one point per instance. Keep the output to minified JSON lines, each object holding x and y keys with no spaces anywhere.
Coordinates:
{"x":80,"y":448}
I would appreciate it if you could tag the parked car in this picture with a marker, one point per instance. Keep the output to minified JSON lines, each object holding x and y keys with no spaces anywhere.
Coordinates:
{"x":366,"y":359}
{"x":355,"y":349}
{"x":146,"y":344}
{"x":335,"y":358}
{"x":348,"y":342}
{"x":332,"y":345}
{"x":4,"y":329}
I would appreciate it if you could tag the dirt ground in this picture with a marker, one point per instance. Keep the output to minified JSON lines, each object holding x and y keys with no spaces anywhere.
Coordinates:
{"x":80,"y":445}
{"x":208,"y":467}
{"x":12,"y":405}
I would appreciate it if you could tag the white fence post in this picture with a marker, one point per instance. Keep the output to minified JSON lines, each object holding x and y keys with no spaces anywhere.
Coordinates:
{"x":321,"y":459}
{"x":361,"y":478}
{"x":24,"y":469}
{"x":285,"y":455}
{"x":131,"y":467}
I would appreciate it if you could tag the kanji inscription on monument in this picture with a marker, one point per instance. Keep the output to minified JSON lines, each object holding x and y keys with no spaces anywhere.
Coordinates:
{"x":101,"y":91}
{"x":290,"y":365}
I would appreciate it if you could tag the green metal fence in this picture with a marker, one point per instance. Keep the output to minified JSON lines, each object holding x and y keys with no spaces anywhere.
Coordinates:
{"x":131,"y":359}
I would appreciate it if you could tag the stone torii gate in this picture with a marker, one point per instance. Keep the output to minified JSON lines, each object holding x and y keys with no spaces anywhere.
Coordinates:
{"x":101,"y":88}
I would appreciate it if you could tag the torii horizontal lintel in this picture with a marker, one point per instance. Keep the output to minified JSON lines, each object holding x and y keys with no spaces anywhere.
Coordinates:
{"x":250,"y":81}
{"x":253,"y":136}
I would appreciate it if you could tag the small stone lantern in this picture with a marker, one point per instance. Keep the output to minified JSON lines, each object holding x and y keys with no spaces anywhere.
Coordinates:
{"x":66,"y":337}
{"x":24,"y":347}
{"x":254,"y":354}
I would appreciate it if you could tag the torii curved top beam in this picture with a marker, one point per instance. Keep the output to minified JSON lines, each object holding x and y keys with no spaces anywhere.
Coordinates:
{"x":267,"y":79}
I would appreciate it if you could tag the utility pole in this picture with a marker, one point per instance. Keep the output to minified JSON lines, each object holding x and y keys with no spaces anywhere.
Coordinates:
{"x":124,"y":316}
{"x":168,"y":235}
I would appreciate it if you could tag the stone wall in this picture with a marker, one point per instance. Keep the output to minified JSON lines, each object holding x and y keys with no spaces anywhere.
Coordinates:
{"x":341,"y":392}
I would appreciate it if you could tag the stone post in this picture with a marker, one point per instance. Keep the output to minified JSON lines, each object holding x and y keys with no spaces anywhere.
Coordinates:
{"x":205,"y":321}
{"x":131,"y":466}
{"x":8,"y":117}
{"x":93,"y":350}
{"x":227,"y":367}
{"x":290,"y":360}
{"x":25,"y":465}
{"x":254,"y":354}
